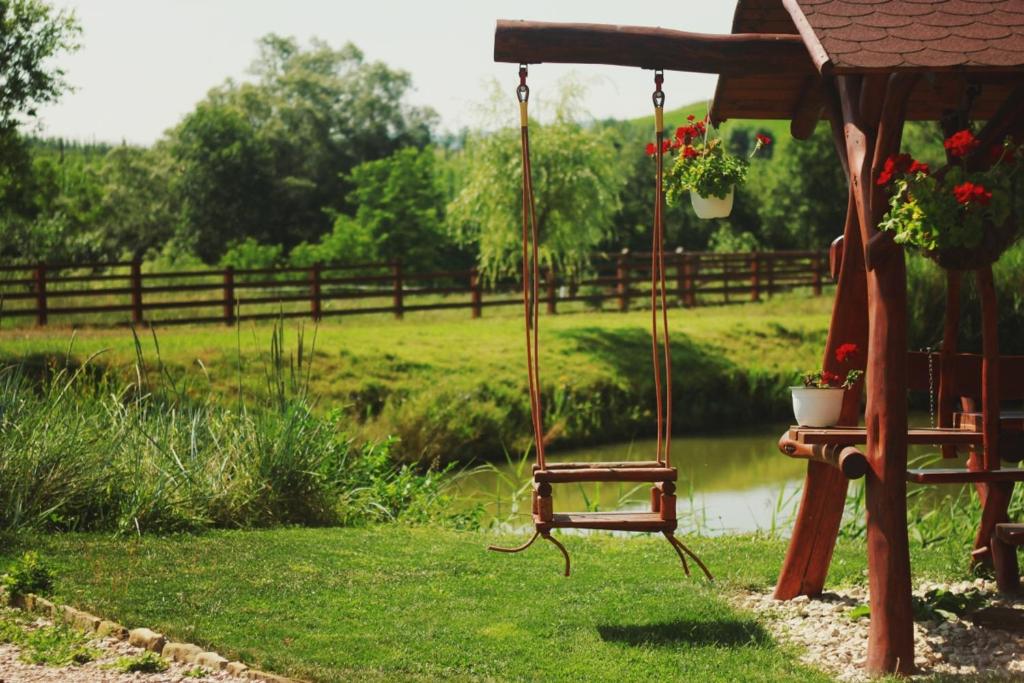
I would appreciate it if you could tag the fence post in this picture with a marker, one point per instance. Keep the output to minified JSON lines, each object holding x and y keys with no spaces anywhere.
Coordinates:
{"x":680,"y":279}
{"x":755,"y":277}
{"x":622,"y":278}
{"x":816,"y":265}
{"x":229,"y":295}
{"x":726,"y":274}
{"x":396,"y":272}
{"x":552,"y":293}
{"x":476,"y":293}
{"x":137,"y":317}
{"x":40,"y":278}
{"x":314,"y":291}
{"x":690,"y":262}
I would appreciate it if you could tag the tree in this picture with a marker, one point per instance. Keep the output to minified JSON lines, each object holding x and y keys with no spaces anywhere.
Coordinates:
{"x":577,"y":178}
{"x":315,"y":114}
{"x":31,"y":34}
{"x":139,"y":212}
{"x":226,"y":180}
{"x":801,"y":194}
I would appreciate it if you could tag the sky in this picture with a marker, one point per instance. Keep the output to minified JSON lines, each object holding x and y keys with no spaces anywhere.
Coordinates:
{"x":144,"y":64}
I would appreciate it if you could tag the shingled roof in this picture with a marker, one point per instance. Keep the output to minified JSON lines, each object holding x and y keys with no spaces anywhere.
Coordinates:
{"x":980,"y":42}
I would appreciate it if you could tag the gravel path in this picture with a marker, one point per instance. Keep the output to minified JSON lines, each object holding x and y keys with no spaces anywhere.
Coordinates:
{"x":13,"y":670}
{"x":834,"y":642}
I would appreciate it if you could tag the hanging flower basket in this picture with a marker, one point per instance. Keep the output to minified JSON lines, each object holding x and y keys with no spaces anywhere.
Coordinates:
{"x":704,"y":169}
{"x":712,"y":207}
{"x":961,"y":219}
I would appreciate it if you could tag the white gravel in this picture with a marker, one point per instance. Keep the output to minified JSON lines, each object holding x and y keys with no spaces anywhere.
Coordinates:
{"x":13,"y":670}
{"x":831,"y":641}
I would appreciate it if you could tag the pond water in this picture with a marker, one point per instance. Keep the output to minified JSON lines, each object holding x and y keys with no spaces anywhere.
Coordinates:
{"x":735,"y":482}
{"x":728,"y":483}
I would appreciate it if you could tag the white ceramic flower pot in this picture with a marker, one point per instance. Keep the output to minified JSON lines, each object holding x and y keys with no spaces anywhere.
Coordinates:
{"x":815,"y":407}
{"x":712,"y":207}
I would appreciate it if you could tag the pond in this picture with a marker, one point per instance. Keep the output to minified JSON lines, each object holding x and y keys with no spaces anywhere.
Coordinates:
{"x":728,"y":483}
{"x":734,"y":482}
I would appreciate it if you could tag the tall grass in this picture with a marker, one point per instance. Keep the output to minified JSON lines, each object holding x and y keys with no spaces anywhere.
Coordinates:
{"x":80,"y":449}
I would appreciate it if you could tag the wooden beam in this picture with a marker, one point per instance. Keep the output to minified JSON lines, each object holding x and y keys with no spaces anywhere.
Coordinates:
{"x":532,"y":42}
{"x":807,"y":111}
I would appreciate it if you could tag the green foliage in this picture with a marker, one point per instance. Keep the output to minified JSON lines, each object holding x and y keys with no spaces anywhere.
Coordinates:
{"x":348,"y":242}
{"x":924,"y":211}
{"x":576,"y":184}
{"x":251,"y":254}
{"x":57,"y":645}
{"x":800,"y":196}
{"x":146,"y":663}
{"x":32,"y":33}
{"x":28,"y":574}
{"x":713,"y":172}
{"x":80,"y":450}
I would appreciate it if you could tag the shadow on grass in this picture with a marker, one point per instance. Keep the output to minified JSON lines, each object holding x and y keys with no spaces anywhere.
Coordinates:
{"x":725,"y":632}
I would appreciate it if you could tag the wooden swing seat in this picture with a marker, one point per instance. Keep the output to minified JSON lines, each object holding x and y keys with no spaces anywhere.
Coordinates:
{"x":607,"y":521}
{"x":642,"y":471}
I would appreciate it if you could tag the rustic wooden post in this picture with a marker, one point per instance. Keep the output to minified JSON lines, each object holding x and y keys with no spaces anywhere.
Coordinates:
{"x":229,"y":295}
{"x":398,"y":304}
{"x":552,"y":292}
{"x":622,"y":277}
{"x":816,"y":266}
{"x":315,"y":278}
{"x":40,"y":278}
{"x":476,"y":293}
{"x":136,"y":278}
{"x":689,"y":269}
{"x":755,"y":278}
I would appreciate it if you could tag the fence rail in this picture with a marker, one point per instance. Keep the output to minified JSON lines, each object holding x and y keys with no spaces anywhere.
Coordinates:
{"x":122,"y":293}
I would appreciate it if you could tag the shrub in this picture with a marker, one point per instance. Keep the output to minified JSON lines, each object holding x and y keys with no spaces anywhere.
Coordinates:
{"x":29,"y":574}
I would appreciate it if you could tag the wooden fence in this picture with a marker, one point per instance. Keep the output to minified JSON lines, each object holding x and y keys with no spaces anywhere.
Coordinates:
{"x":125,"y":293}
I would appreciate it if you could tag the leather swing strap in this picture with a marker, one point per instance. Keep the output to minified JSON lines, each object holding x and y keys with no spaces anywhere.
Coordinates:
{"x":531,"y":272}
{"x":663,"y":395}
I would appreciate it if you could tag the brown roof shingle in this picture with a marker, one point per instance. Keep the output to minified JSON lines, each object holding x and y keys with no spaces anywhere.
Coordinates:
{"x":857,"y":35}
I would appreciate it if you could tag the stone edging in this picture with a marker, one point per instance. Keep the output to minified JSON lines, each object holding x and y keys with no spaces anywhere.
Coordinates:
{"x":145,"y":638}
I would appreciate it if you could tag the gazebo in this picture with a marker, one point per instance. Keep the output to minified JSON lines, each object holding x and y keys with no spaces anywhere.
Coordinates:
{"x":866,"y":67}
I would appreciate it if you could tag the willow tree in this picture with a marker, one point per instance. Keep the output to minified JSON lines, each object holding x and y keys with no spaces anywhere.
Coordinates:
{"x":576,"y":177}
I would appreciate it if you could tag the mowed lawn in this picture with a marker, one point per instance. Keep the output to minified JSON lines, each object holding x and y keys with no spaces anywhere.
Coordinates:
{"x":397,"y":603}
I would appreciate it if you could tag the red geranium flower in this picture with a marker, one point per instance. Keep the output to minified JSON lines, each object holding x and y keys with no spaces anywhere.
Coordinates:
{"x":689,"y":152}
{"x":763,"y":139}
{"x":895,"y":164}
{"x":845,"y":351}
{"x":961,"y":143}
{"x":691,"y":117}
{"x":666,"y":145}
{"x":918,"y":167}
{"x":650,"y":149}
{"x":831,"y":378}
{"x":969,"y":192}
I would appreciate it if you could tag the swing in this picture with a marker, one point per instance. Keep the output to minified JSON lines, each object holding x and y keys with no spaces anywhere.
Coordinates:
{"x":659,"y":472}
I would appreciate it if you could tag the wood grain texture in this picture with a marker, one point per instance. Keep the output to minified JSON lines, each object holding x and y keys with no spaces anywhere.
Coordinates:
{"x":533,"y":42}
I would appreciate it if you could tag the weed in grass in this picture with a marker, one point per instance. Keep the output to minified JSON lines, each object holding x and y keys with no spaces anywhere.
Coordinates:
{"x":196,"y":672}
{"x":57,"y":645}
{"x":146,"y":662}
{"x":28,"y":574}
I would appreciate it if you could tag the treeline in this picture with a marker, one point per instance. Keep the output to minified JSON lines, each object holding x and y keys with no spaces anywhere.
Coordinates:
{"x":319,"y":156}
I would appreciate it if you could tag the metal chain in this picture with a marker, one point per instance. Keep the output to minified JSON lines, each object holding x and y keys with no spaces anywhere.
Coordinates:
{"x":931,"y":387}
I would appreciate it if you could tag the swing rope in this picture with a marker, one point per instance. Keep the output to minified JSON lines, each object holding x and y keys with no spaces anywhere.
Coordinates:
{"x":531,"y":272}
{"x":663,"y":400}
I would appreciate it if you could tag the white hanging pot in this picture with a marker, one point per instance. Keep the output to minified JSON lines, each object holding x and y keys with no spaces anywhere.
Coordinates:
{"x":712,"y":207}
{"x":814,"y":407}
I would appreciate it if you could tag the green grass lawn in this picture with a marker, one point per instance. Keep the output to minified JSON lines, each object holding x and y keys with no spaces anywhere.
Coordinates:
{"x":397,"y":603}
{"x":453,"y":388}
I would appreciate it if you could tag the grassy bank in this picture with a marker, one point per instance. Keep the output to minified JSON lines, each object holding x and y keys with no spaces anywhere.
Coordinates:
{"x":452,"y":389}
{"x":389,"y":602}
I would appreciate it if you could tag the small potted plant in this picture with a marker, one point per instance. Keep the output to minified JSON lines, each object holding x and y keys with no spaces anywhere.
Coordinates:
{"x":704,"y":169}
{"x":959,"y":217}
{"x":819,"y":400}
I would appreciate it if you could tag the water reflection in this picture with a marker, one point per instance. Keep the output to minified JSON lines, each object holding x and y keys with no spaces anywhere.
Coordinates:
{"x":728,"y":483}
